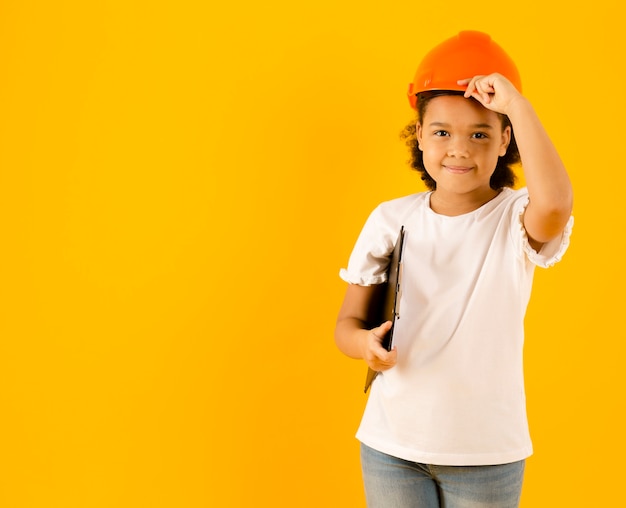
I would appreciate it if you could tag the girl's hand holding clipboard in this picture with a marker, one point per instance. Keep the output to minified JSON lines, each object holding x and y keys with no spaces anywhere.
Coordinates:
{"x":375,"y":355}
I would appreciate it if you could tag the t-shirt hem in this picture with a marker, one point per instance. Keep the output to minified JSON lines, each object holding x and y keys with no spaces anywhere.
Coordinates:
{"x":449,"y":459}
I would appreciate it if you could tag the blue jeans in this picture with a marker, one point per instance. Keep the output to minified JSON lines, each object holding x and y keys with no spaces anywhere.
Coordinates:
{"x":395,"y":483}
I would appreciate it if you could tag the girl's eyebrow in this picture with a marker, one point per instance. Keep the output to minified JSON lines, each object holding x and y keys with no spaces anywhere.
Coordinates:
{"x":474,"y":126}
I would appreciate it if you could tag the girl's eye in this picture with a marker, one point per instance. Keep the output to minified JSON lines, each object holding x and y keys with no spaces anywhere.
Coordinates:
{"x":479,"y":135}
{"x":441,"y":133}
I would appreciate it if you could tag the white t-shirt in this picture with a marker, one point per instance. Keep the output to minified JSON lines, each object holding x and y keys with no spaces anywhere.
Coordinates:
{"x":456,"y":395}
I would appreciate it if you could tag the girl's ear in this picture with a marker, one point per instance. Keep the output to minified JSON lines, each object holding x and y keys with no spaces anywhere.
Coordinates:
{"x":506,"y":140}
{"x":418,"y":135}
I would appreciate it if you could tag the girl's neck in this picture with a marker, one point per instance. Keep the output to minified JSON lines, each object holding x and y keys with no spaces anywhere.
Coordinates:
{"x":459,"y":204}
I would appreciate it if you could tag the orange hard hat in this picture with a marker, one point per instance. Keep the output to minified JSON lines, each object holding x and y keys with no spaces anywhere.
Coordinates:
{"x":468,"y":54}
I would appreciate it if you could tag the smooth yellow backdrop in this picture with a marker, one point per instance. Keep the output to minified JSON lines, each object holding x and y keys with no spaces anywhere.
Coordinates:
{"x":180,"y":183}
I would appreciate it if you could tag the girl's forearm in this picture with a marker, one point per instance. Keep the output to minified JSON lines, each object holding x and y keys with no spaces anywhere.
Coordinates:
{"x":350,"y":335}
{"x":549,"y":186}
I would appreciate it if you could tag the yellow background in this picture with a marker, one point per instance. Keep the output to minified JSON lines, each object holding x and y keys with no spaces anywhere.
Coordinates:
{"x":180,"y":183}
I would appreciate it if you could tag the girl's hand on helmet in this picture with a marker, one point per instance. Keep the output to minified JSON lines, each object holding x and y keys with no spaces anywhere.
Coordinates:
{"x":376,"y":356}
{"x":493,"y":91}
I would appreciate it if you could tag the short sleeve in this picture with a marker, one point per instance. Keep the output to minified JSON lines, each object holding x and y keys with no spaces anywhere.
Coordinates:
{"x":369,"y":259}
{"x":552,"y":251}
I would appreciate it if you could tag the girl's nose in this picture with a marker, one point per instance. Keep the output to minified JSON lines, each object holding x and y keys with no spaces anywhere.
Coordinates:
{"x":458,"y":147}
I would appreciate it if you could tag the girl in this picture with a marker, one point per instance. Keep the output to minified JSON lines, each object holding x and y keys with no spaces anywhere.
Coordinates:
{"x":445,"y":423}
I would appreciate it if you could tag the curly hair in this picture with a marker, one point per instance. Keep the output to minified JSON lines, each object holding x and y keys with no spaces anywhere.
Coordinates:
{"x":503,"y":176}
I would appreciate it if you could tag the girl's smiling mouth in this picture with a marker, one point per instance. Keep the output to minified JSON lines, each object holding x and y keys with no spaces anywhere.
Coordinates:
{"x":458,"y":169}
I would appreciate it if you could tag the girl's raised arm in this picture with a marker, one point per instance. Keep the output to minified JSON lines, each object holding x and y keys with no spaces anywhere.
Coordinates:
{"x":549,"y":187}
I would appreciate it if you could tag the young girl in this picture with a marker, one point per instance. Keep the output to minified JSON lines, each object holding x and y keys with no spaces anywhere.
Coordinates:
{"x":445,"y":422}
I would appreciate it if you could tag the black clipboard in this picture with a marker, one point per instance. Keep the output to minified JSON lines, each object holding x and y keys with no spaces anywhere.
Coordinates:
{"x":390,"y":300}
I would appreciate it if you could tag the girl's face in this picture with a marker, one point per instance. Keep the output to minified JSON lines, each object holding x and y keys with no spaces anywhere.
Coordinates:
{"x":461,"y":141}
